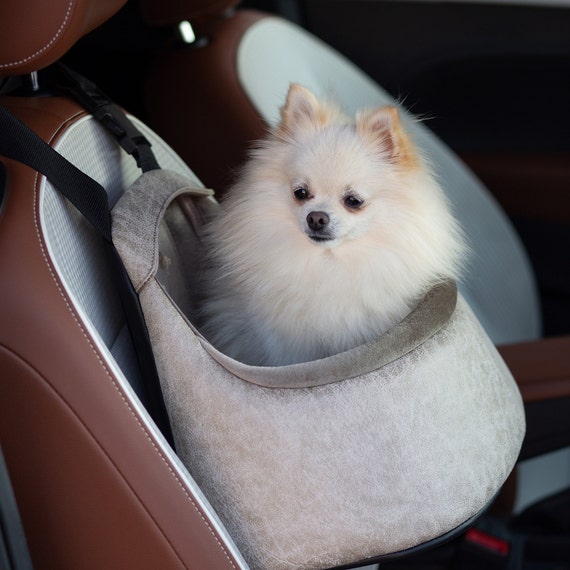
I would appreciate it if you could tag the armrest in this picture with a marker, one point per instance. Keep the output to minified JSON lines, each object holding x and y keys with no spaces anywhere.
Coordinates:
{"x":540,"y":367}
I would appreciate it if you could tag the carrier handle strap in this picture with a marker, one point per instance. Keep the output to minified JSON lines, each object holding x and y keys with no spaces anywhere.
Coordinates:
{"x":18,"y":142}
{"x":109,"y":114}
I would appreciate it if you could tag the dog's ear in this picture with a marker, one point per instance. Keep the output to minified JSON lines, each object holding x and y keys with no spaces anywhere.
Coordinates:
{"x":301,"y":111}
{"x":383,"y":128}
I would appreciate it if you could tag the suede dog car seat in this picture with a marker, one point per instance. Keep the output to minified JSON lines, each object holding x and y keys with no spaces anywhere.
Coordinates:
{"x":384,"y":449}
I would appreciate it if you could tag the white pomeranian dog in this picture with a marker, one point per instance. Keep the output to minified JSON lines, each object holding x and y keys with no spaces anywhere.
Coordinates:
{"x":330,"y":236}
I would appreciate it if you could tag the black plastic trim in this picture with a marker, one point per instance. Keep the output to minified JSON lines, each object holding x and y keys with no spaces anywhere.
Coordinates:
{"x":14,"y":553}
{"x":3,"y":185}
{"x":420,"y":548}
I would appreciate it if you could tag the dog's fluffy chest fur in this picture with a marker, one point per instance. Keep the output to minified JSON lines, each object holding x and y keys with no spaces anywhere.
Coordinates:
{"x":300,"y":309}
{"x":327,"y":239}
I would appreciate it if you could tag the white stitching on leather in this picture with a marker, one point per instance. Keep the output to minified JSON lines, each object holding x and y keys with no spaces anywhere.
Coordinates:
{"x":48,"y":45}
{"x":113,"y":381}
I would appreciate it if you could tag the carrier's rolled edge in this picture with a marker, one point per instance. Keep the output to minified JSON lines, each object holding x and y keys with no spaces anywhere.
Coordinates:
{"x":431,"y":314}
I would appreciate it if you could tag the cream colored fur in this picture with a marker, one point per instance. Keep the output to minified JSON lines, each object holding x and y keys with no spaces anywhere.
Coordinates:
{"x":276,"y":296}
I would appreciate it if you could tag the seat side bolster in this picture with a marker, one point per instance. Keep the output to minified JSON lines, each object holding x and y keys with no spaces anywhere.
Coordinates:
{"x":540,"y":367}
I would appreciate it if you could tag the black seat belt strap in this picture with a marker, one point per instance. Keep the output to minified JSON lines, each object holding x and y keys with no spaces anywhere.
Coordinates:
{"x":20,"y":143}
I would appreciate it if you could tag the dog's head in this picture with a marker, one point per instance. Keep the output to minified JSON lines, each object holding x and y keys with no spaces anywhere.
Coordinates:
{"x":341,"y":174}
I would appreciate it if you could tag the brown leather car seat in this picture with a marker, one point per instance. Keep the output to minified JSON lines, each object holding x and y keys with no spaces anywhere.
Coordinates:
{"x":96,"y":483}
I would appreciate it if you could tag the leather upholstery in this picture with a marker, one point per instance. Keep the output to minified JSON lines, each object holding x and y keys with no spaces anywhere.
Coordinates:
{"x":52,"y":28}
{"x":541,"y":367}
{"x":513,"y":180}
{"x":97,"y":487}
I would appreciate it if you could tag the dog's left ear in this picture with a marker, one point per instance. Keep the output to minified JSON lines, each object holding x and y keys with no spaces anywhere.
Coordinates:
{"x":384,"y":128}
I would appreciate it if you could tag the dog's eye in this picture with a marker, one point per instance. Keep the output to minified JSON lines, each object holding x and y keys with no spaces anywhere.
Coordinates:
{"x":301,"y":193}
{"x":353,"y":202}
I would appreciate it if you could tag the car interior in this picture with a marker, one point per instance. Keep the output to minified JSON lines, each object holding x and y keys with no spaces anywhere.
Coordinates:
{"x":92,"y":478}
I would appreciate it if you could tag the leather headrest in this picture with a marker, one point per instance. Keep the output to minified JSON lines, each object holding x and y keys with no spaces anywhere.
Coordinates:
{"x":36,"y":33}
{"x":171,"y":12}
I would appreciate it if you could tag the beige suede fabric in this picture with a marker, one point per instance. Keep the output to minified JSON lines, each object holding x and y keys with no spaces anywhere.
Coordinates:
{"x":324,"y":463}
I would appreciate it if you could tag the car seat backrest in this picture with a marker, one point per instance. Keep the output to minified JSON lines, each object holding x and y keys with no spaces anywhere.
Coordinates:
{"x":238,"y":77}
{"x":96,"y":482}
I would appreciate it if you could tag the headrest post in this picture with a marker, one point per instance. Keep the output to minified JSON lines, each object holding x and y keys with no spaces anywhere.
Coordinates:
{"x":32,"y":80}
{"x":186,"y":32}
{"x":187,"y":36}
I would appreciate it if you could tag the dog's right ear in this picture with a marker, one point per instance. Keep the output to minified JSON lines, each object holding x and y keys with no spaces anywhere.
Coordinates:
{"x":301,"y":112}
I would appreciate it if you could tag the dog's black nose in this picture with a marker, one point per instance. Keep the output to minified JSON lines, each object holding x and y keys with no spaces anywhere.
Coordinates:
{"x":317,"y":220}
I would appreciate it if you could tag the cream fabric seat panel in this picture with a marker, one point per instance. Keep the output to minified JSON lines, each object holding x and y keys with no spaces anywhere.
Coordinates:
{"x":74,"y":246}
{"x":499,"y":284}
